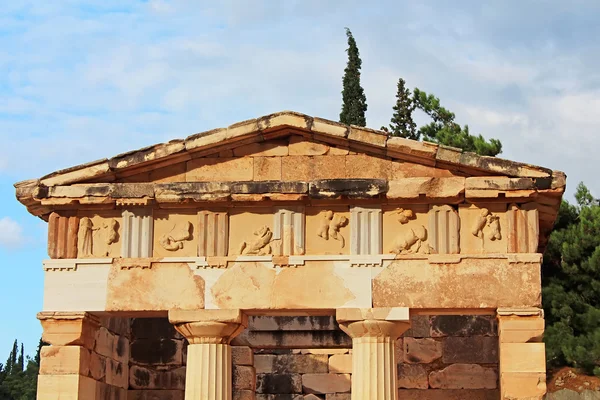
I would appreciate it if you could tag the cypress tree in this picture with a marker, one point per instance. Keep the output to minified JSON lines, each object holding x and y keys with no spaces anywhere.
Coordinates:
{"x":354,"y":101}
{"x":402,"y":123}
{"x":21,"y":360}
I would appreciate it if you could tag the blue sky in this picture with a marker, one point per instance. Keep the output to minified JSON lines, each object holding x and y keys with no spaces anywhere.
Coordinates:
{"x":84,"y":80}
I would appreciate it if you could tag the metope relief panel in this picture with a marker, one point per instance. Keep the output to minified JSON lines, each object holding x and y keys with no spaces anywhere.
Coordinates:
{"x":444,"y":230}
{"x":251,"y":232}
{"x":62,"y":236}
{"x":98,"y":235}
{"x":288,"y":231}
{"x":327,"y":230}
{"x":365,"y":230}
{"x":137,"y":233}
{"x":483,"y":228}
{"x":522,"y":228}
{"x":174,"y":234}
{"x":213,"y":232}
{"x":405,"y":230}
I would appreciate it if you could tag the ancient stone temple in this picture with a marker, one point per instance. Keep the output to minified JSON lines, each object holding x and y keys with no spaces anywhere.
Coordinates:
{"x":291,"y":257}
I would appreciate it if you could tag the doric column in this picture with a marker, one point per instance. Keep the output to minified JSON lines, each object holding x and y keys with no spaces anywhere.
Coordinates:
{"x":522,"y":353}
{"x":65,"y":365}
{"x":208,"y":332}
{"x":374,"y":332}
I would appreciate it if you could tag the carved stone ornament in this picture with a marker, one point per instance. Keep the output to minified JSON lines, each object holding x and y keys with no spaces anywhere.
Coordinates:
{"x":173,"y":240}
{"x":112,"y":231}
{"x":86,"y":237}
{"x":410,"y":240}
{"x":258,"y":245}
{"x":330,"y":227}
{"x":487,"y":219}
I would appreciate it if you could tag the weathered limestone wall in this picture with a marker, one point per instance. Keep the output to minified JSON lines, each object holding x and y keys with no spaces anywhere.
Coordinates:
{"x":157,"y":361}
{"x":94,"y":365}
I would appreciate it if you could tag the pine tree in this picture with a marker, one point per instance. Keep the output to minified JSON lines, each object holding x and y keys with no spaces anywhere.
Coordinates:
{"x":445,"y":131}
{"x":402,"y":123}
{"x":354,"y":101}
{"x":571,"y":285}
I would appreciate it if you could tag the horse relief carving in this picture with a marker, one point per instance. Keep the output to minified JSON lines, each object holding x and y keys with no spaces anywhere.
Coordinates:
{"x":259,"y":244}
{"x":411,"y":240}
{"x":487,"y":219}
{"x":330,"y":227}
{"x":173,"y":240}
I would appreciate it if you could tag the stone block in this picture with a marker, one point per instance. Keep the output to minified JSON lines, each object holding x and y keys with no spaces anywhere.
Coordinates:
{"x":411,"y":147}
{"x":367,"y":136}
{"x":157,"y":395}
{"x":278,"y":383}
{"x":98,"y":366}
{"x":118,"y":325}
{"x":58,"y":387}
{"x":441,"y":394}
{"x":470,"y":350}
{"x":399,"y":350}
{"x":267,"y":168}
{"x":362,"y":166}
{"x":520,"y":329}
{"x":326,"y":383}
{"x":340,"y":364}
{"x":464,"y":376}
{"x":291,"y":363}
{"x":244,"y":395}
{"x":523,"y":357}
{"x":153,"y":328}
{"x":149,"y":378}
{"x":60,"y":360}
{"x":296,"y":323}
{"x":431,"y":187}
{"x":157,"y":351}
{"x":324,"y":351}
{"x":419,"y":327}
{"x":242,"y":355}
{"x":271,"y":148}
{"x":279,"y":397}
{"x":412,"y":376}
{"x":421,"y":351}
{"x":63,"y":329}
{"x":516,"y":385}
{"x":338,"y":396}
{"x":463,"y":325}
{"x":220,"y":169}
{"x":244,"y":377}
{"x":117,"y":374}
{"x":299,"y":146}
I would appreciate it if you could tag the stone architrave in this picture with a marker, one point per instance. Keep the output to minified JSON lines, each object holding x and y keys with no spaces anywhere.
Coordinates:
{"x":62,"y":236}
{"x":444,"y":230}
{"x":288,"y":229}
{"x":366,"y":230}
{"x":137,"y":233}
{"x":213,"y":233}
{"x":523,"y":228}
{"x":374,"y":332}
{"x":209,"y":363}
{"x":522,"y":354}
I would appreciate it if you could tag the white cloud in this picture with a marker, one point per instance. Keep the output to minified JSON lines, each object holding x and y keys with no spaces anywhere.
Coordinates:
{"x":11,"y":233}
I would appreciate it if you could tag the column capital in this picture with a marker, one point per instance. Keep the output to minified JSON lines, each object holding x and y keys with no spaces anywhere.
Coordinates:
{"x":69,"y":328}
{"x":374,"y":322}
{"x":208,"y":326}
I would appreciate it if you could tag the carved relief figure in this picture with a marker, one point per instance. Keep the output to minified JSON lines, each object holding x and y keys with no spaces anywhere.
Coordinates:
{"x":486,"y":218}
{"x":330,"y":227}
{"x":258,"y":245}
{"x":86,"y":237}
{"x":411,"y":240}
{"x":112,"y":234}
{"x":174,"y":240}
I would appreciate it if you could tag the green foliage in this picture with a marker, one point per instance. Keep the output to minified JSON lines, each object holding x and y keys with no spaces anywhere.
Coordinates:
{"x":445,"y":131}
{"x":16,"y":381}
{"x":402,"y":123}
{"x":571,"y":285}
{"x":354,"y":101}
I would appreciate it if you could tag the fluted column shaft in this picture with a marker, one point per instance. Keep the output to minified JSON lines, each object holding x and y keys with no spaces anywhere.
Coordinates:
{"x":374,"y":367}
{"x":209,"y":332}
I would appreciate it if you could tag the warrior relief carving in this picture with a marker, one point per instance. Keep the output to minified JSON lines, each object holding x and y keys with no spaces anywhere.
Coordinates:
{"x":486,"y":218}
{"x":174,"y":239}
{"x":411,"y":240}
{"x":258,"y":245}
{"x":86,"y":237}
{"x":330,"y":227}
